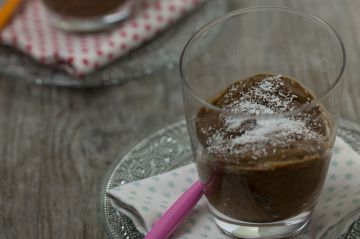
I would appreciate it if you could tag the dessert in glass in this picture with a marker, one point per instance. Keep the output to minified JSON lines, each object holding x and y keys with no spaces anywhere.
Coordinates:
{"x":262,"y":88}
{"x":87,"y":15}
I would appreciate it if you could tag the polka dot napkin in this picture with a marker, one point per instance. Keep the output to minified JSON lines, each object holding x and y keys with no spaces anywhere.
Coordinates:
{"x":31,"y":32}
{"x":144,"y":201}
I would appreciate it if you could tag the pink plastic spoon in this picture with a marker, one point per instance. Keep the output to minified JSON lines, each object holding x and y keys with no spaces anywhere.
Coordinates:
{"x":176,"y":213}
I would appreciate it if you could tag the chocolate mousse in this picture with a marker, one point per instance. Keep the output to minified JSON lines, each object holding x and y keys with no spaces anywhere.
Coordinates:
{"x":264,"y":156}
{"x":83,"y":8}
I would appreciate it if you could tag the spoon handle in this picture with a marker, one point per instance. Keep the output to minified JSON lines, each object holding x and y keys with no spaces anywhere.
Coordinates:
{"x":173,"y":217}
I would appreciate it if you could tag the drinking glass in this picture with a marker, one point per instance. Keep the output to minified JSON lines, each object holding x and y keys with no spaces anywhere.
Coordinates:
{"x":262,"y":193}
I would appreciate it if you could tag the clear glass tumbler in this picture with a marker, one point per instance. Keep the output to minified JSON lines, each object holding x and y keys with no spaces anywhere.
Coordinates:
{"x":262,"y":92}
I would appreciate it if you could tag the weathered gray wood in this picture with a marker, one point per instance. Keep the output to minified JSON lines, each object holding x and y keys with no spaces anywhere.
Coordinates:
{"x":57,"y":144}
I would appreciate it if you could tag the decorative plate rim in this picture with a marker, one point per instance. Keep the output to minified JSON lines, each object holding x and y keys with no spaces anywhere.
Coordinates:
{"x":345,"y":127}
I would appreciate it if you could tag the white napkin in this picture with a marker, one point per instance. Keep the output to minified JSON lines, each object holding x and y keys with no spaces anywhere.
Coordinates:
{"x":147,"y":199}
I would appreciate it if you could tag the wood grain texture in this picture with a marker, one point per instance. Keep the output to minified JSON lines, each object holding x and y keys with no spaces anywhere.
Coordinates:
{"x":57,"y":144}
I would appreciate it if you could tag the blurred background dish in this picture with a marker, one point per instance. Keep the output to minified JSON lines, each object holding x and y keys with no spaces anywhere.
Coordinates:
{"x":87,"y":15}
{"x":160,"y":53}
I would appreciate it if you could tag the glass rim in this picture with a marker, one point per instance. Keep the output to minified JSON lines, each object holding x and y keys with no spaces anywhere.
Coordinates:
{"x":231,"y":14}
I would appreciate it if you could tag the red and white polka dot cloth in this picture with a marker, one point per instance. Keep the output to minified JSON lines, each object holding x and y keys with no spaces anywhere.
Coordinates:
{"x":31,"y":32}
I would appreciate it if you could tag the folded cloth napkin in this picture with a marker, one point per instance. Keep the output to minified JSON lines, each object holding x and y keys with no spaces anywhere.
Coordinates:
{"x":32,"y":33}
{"x":146,"y":200}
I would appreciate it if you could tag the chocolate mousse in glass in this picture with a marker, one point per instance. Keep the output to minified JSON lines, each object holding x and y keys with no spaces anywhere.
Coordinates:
{"x":261,"y":91}
{"x":87,"y":15}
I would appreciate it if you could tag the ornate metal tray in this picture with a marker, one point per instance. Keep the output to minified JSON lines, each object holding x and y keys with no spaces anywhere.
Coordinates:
{"x":168,"y":149}
{"x":162,"y":52}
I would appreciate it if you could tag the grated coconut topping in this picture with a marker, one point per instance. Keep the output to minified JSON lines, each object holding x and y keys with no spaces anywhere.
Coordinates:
{"x":277,"y":131}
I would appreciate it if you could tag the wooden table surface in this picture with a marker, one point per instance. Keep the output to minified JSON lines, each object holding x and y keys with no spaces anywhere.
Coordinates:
{"x":56,"y":144}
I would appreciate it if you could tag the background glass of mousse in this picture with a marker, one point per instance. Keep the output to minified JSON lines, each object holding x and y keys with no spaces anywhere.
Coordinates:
{"x":87,"y":15}
{"x":262,"y":170}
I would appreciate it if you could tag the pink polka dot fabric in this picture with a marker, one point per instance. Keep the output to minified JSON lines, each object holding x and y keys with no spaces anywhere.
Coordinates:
{"x":31,"y":32}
